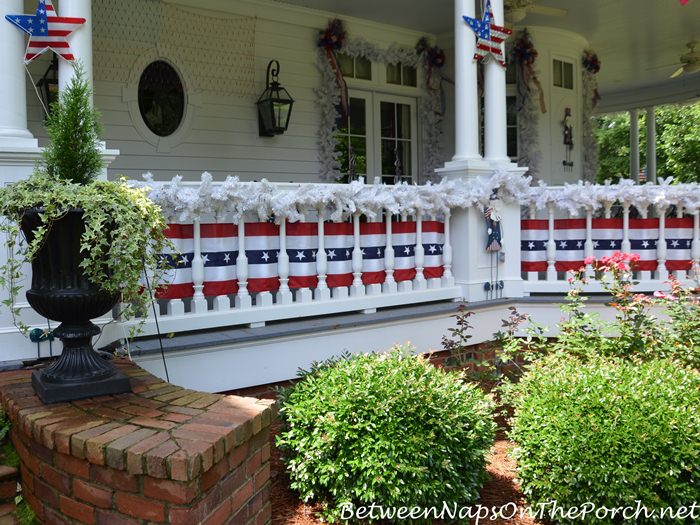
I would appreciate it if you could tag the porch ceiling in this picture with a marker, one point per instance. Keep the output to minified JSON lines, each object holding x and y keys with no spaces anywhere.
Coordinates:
{"x":638,"y":41}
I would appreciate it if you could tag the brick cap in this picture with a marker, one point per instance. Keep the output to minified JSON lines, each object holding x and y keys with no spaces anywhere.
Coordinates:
{"x":158,"y":429}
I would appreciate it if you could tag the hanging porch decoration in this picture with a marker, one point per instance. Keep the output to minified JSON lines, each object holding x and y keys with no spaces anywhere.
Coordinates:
{"x":524,"y":55}
{"x":331,"y":40}
{"x":47,"y":31}
{"x":591,"y":66}
{"x":489,"y":36}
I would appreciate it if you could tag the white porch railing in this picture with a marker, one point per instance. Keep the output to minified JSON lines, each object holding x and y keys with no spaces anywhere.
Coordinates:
{"x":562,"y":229}
{"x":283,"y":251}
{"x":254,"y":253}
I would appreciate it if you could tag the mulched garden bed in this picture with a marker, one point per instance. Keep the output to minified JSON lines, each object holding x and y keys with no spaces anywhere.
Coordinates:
{"x":500,"y":489}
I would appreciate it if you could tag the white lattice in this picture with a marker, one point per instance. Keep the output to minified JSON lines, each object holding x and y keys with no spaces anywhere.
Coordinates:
{"x":219,"y":50}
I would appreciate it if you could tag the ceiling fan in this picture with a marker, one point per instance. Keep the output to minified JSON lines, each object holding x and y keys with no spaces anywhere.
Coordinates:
{"x":690,"y":61}
{"x":519,"y":9}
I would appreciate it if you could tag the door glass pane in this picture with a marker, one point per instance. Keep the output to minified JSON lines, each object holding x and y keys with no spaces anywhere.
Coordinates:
{"x":393,"y":74}
{"x":568,"y":75}
{"x":388,"y":119}
{"x":409,"y":76}
{"x":403,"y":113}
{"x":346,"y":64}
{"x":388,"y":156}
{"x":363,"y":68}
{"x":359,"y":149}
{"x":557,"y":72}
{"x":358,"y":124}
{"x":404,"y":150}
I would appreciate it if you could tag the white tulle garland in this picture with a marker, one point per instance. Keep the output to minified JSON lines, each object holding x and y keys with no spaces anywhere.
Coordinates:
{"x":428,"y":107}
{"x":576,"y":198}
{"x":590,"y":143}
{"x":234,"y":199}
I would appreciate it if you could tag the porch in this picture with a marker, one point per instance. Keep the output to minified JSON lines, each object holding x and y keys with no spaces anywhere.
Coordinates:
{"x":368,"y":264}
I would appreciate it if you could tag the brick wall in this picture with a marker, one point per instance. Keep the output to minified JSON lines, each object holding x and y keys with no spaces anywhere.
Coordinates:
{"x":161,"y":454}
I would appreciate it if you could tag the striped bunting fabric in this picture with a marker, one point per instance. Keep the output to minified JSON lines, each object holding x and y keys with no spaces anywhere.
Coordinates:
{"x":403,"y":238}
{"x":607,"y":235}
{"x":679,"y":239}
{"x":262,"y":245}
{"x":433,"y":242}
{"x":219,"y":252}
{"x":178,"y":278}
{"x":533,"y":245}
{"x":339,"y":241}
{"x":302,"y":246}
{"x":220,"y":246}
{"x":373,"y":243}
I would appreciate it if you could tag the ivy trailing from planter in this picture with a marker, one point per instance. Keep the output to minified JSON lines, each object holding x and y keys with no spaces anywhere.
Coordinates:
{"x":124,"y":229}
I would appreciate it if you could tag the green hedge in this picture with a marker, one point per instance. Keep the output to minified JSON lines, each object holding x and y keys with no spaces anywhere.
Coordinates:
{"x":389,"y":429}
{"x":608,"y":432}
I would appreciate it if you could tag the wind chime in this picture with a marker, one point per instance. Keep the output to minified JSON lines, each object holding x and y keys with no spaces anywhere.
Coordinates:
{"x":568,"y":140}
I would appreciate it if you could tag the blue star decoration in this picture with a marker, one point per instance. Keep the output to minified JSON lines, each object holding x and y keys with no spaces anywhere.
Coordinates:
{"x":46,"y":31}
{"x":489,"y":36}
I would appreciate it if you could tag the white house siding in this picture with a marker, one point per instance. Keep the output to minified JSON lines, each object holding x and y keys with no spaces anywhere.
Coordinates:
{"x":221,"y":133}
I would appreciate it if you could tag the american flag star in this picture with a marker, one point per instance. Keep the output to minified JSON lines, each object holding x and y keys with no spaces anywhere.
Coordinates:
{"x":46,"y":30}
{"x":489,"y":36}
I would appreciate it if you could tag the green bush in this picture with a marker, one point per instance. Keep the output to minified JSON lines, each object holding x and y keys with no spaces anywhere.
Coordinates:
{"x":609,"y":432}
{"x":389,"y":429}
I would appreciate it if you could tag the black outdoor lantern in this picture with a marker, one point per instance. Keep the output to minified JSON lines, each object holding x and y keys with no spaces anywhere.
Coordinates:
{"x":274,"y":105}
{"x":48,"y":85}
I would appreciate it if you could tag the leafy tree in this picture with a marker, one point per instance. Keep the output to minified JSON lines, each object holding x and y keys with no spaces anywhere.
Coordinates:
{"x":677,"y":143}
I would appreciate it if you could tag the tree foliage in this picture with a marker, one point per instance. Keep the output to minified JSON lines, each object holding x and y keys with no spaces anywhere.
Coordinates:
{"x":677,"y":143}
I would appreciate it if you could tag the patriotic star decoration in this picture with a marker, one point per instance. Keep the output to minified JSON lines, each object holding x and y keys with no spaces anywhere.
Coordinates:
{"x":46,"y":31}
{"x":489,"y":36}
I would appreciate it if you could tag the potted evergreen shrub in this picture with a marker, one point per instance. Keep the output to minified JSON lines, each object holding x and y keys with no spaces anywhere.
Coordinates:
{"x":88,"y":242}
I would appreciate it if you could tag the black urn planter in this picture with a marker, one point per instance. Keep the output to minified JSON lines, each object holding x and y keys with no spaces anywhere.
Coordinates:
{"x":61,"y":292}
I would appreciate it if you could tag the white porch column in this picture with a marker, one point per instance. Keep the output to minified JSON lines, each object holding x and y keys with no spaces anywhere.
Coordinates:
{"x":634,"y":145}
{"x":651,"y":144}
{"x":80,"y":41}
{"x":466,"y":92}
{"x":495,"y":135}
{"x":13,"y":94}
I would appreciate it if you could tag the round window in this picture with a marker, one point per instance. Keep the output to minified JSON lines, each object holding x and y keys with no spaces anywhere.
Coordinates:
{"x":161,"y":98}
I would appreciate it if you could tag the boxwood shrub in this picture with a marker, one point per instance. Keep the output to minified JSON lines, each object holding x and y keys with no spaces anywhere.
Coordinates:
{"x":389,"y":429}
{"x":609,"y":432}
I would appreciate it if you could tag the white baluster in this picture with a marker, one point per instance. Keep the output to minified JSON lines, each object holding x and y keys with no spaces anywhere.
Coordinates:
{"x":243,"y":299}
{"x":533,"y":276}
{"x":284,"y":294}
{"x":588,"y":245}
{"x":695,"y":246}
{"x":389,"y":285}
{"x":661,"y":248}
{"x":645,"y":275}
{"x":551,"y":246}
{"x":447,"y":278}
{"x":626,"y":245}
{"x":322,"y":292}
{"x":419,"y":282}
{"x":607,"y":209}
{"x":681,"y":275}
{"x":357,"y":289}
{"x":199,"y":302}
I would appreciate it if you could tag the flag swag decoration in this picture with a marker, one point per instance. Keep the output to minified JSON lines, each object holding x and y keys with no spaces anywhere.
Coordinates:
{"x":489,"y":36}
{"x":46,"y":30}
